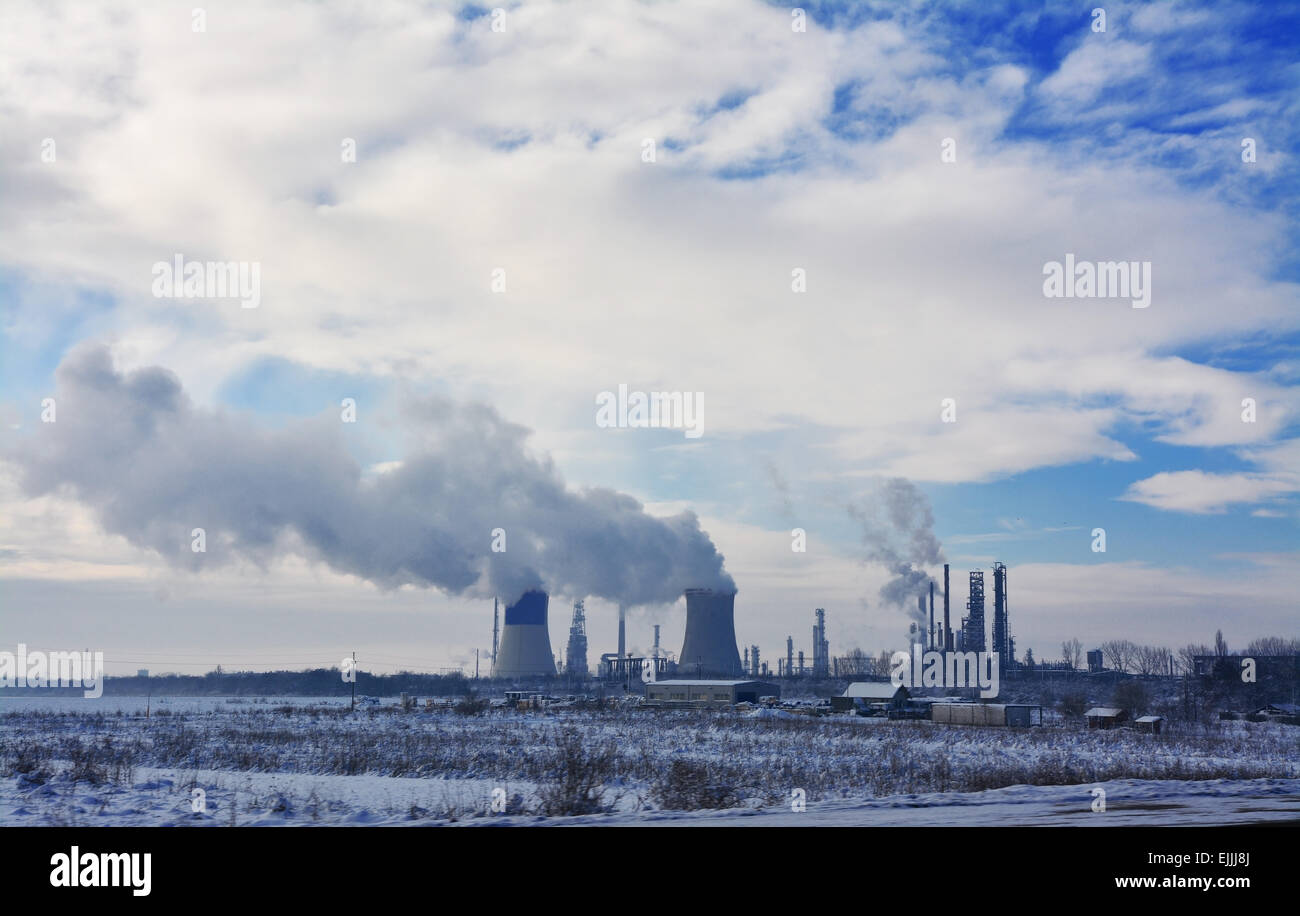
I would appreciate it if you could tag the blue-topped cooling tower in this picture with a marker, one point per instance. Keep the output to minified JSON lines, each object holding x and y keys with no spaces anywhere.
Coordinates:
{"x":525,"y":648}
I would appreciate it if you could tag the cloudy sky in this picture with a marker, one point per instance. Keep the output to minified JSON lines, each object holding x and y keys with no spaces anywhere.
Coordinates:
{"x":917,"y":164}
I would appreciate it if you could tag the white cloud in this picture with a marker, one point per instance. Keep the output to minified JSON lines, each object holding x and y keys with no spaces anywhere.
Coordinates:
{"x":1204,"y":492}
{"x":924,"y":278}
{"x":1098,"y":62}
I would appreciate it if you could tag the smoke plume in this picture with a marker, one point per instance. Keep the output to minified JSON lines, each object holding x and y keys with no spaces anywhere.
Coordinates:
{"x":898,"y":533}
{"x":153,"y":467}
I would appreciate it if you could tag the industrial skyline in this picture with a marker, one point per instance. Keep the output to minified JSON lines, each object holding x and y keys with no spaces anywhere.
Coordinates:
{"x":786,"y":310}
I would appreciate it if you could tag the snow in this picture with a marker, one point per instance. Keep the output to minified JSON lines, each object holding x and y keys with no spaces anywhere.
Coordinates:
{"x":308,"y":761}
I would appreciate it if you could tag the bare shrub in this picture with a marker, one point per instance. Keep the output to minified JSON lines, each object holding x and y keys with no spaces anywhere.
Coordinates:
{"x":1132,"y":696}
{"x":1073,"y":705}
{"x":574,"y":777}
{"x":472,"y":706}
{"x":688,"y":785}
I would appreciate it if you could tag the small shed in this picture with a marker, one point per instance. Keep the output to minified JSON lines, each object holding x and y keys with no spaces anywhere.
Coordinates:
{"x":1150,"y":724}
{"x":1279,"y":709}
{"x":1106,"y":716}
{"x":879,"y":694}
{"x":1024,"y":715}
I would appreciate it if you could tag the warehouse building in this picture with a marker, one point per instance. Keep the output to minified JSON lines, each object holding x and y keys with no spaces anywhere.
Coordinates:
{"x":708,"y":692}
{"x":1012,"y":715}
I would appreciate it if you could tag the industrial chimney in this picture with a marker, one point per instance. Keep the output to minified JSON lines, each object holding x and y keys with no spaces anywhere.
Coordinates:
{"x":709,"y":649}
{"x":525,"y":649}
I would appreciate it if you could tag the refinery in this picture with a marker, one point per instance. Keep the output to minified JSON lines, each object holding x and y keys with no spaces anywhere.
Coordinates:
{"x":710,"y":651}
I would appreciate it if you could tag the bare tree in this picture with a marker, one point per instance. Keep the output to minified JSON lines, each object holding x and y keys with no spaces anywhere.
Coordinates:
{"x":1149,"y":660}
{"x":1187,"y":656}
{"x":1273,"y":645}
{"x":1119,"y":654}
{"x":884,"y":663}
{"x":1220,"y":644}
{"x":857,"y":664}
{"x":1072,"y":652}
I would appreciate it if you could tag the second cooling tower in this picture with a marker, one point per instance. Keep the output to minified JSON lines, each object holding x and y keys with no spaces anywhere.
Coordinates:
{"x":525,"y":648}
{"x":709,"y":649}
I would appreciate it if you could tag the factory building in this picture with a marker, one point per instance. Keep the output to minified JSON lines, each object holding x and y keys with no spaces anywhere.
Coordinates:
{"x":525,"y":649}
{"x":709,"y":693}
{"x":709,"y":649}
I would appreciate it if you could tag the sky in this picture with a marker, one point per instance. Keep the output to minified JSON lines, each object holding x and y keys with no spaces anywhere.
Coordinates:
{"x":839,"y":242}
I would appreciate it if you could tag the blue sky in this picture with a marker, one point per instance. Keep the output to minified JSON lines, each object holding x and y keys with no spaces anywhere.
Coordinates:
{"x":775,"y":150}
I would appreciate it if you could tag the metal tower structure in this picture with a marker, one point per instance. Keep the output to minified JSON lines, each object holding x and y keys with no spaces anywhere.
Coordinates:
{"x":821,"y":646}
{"x":1002,"y":643}
{"x":575,"y":655}
{"x":496,"y":628}
{"x":972,"y":626}
{"x":930,"y":645}
{"x":947,"y":624}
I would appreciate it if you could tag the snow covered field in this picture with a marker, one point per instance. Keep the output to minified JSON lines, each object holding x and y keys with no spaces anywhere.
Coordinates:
{"x":306,"y":761}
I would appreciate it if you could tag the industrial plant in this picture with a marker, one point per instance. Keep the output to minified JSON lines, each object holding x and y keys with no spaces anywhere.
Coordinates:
{"x":711,"y":656}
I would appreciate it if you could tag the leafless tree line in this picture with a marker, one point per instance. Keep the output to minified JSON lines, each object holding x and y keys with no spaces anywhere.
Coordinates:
{"x":1132,"y":658}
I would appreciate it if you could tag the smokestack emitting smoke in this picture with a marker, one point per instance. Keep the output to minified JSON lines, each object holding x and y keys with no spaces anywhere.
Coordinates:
{"x":153,"y":467}
{"x":898,"y":532}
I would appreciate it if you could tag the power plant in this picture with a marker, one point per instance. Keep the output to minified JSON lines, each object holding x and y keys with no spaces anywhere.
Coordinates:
{"x":709,"y":649}
{"x":525,"y":648}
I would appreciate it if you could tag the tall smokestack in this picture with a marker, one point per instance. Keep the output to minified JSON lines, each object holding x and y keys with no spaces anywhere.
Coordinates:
{"x":709,"y":649}
{"x":931,"y":613}
{"x":525,"y":649}
{"x":622,"y":631}
{"x":947,"y":624}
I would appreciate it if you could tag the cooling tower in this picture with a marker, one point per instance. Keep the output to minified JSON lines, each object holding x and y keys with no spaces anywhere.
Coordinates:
{"x":709,"y":649}
{"x":525,"y":649}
